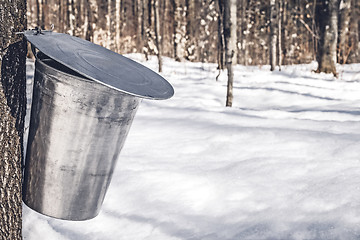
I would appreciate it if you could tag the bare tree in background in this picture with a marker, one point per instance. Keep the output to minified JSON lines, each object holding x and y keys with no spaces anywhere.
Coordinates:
{"x":13,"y":51}
{"x":157,"y":33}
{"x":344,"y":47}
{"x":280,"y":7}
{"x":328,"y":23}
{"x":229,"y":25}
{"x":221,"y":41}
{"x":140,"y":31}
{"x":354,"y":31}
{"x":117,"y":25}
{"x":273,"y":34}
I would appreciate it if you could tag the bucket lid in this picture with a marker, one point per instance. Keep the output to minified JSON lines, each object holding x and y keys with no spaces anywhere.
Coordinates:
{"x":101,"y":65}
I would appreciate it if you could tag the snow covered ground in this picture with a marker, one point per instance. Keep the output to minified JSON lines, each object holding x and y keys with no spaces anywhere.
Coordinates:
{"x":283,"y":163}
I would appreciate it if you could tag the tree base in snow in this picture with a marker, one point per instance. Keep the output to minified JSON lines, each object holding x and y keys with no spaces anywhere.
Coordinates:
{"x":327,"y":69}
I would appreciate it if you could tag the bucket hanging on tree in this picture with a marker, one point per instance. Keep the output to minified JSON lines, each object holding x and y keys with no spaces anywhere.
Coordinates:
{"x":84,"y":100}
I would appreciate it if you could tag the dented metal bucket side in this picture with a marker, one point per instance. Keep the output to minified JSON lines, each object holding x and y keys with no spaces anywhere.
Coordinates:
{"x":77,"y":130}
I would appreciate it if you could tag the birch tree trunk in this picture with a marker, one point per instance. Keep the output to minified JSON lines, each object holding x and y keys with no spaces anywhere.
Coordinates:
{"x":86,"y":26}
{"x":328,"y":23}
{"x":72,"y":17}
{"x":273,"y":35}
{"x":230,"y":45}
{"x":108,"y":25}
{"x":12,"y":114}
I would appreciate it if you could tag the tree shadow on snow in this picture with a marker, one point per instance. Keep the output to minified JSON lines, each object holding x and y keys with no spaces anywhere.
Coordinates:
{"x":288,"y":92}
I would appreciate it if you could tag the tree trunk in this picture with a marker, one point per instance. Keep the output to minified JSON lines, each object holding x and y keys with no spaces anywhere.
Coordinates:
{"x":279,"y":34}
{"x":143,"y":27}
{"x":12,"y":114}
{"x":243,"y":36}
{"x":38,"y":13}
{"x":345,"y":10}
{"x":140,"y":26}
{"x":285,"y":40}
{"x":220,"y":43}
{"x":328,"y":23}
{"x":44,"y":13}
{"x":118,"y":25}
{"x":64,"y":16}
{"x":354,"y":32}
{"x":230,"y":44}
{"x":147,"y":27}
{"x":93,"y":18}
{"x":273,"y":35}
{"x":108,"y":25}
{"x":72,"y":18}
{"x":86,"y":26}
{"x":157,"y":34}
{"x":191,"y":25}
{"x":174,"y":28}
{"x":78,"y":18}
{"x":314,"y":39}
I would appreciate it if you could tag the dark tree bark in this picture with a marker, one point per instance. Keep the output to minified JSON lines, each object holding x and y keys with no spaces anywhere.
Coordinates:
{"x":220,"y":43}
{"x":354,"y":32}
{"x":12,"y":115}
{"x":327,"y":17}
{"x":345,"y":13}
{"x":149,"y":15}
{"x":38,"y":12}
{"x":44,"y":13}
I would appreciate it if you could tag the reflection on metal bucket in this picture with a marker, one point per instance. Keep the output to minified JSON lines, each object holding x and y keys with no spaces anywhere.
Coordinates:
{"x":77,"y":130}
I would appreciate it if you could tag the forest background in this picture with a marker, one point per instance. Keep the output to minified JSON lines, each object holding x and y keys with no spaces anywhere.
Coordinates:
{"x":192,"y":30}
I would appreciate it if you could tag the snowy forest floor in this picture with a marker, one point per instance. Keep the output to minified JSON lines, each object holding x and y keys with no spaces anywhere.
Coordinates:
{"x":282,"y":163}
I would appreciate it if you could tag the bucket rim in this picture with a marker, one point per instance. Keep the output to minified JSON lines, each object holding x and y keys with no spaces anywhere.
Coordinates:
{"x":101,"y":65}
{"x":41,"y":62}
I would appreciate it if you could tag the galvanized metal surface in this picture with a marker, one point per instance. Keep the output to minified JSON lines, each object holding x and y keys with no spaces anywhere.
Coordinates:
{"x":101,"y":65}
{"x":77,"y":130}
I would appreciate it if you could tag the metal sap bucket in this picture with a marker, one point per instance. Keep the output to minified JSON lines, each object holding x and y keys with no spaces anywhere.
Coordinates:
{"x":84,"y":100}
{"x":78,"y":128}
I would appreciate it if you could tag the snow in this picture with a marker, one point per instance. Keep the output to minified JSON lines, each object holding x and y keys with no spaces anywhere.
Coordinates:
{"x":282,"y":163}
